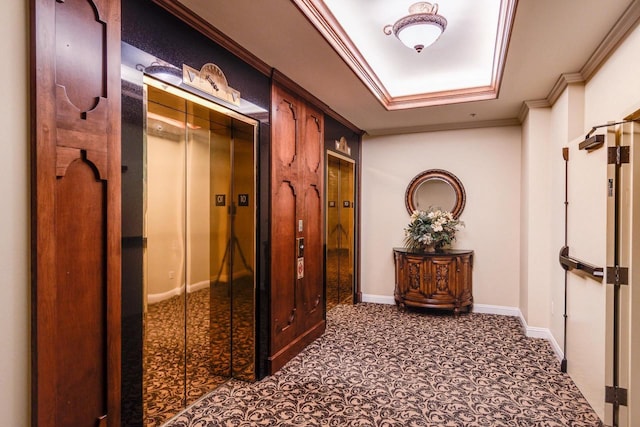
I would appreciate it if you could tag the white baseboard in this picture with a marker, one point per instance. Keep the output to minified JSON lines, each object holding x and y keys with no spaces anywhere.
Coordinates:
{"x":378,"y":299}
{"x":544,"y":333}
{"x":496,"y":309}
{"x":530,"y":331}
{"x":155,"y":298}
{"x":198,"y":286}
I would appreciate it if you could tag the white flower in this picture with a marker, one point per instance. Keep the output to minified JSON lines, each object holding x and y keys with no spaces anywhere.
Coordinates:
{"x":434,"y":226}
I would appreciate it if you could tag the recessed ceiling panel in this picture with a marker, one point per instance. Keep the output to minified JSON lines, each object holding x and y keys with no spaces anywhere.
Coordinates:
{"x":464,"y":64}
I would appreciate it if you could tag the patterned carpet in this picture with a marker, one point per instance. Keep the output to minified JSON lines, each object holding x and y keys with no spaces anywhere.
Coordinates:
{"x":339,"y":278}
{"x":167,"y":366}
{"x":178,"y":372}
{"x":377,"y":366}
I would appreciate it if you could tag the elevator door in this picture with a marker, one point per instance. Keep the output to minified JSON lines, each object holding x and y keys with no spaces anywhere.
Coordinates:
{"x":199,"y":223}
{"x":340,"y":230}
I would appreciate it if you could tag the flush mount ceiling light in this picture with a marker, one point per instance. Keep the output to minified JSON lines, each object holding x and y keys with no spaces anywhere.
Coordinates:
{"x":420,"y":28}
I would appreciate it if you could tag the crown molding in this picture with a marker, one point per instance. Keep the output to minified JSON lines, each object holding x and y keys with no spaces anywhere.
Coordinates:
{"x":623,"y":27}
{"x":562,"y":83}
{"x":529,"y":105}
{"x":446,"y":126}
{"x":319,"y":15}
{"x":614,"y":38}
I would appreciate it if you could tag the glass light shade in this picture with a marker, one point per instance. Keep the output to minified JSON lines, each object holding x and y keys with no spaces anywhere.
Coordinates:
{"x":419,"y":35}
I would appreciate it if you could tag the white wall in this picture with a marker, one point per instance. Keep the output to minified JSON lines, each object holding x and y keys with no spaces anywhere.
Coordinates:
{"x":165,"y":214}
{"x":14,"y":216}
{"x":611,"y":94}
{"x":535,"y":217}
{"x":487,"y":161}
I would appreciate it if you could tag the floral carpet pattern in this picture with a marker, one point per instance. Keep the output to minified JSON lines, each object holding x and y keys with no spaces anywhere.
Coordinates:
{"x":378,"y":366}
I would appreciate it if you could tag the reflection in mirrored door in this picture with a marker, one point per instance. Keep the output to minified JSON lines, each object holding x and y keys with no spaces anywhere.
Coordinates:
{"x":164,"y":256}
{"x":200,"y":254}
{"x":340,"y":230}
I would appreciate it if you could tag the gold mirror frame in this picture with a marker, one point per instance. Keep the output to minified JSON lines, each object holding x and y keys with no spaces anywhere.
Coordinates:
{"x":442,"y":175}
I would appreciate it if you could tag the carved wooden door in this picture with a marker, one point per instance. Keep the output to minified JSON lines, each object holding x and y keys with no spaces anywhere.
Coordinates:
{"x":442,"y":286}
{"x":416,"y":283}
{"x":297,"y":306}
{"x":76,"y":213}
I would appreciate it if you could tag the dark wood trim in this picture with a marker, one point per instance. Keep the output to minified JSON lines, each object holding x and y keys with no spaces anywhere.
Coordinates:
{"x":42,"y":196}
{"x":190,"y":18}
{"x":114,"y":221}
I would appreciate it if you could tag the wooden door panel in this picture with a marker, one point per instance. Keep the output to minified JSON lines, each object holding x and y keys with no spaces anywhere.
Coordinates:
{"x":80,"y":299}
{"x":312,"y":284}
{"x":443,"y":283}
{"x":76,"y":219}
{"x":283,"y":277}
{"x":79,"y":30}
{"x":285,"y":126}
{"x":417,"y":284}
{"x":313,"y":146}
{"x":311,"y":210}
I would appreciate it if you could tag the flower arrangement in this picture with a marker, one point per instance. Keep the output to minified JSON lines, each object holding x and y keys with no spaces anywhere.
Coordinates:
{"x":434,"y":228}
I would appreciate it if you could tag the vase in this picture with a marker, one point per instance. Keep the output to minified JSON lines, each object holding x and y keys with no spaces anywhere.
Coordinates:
{"x":429,"y":248}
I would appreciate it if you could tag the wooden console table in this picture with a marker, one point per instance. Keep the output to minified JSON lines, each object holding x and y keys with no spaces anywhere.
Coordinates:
{"x":434,"y":279}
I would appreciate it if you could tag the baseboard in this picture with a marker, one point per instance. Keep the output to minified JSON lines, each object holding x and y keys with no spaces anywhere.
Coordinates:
{"x":497,"y":309}
{"x":198,"y":286}
{"x":378,"y":299}
{"x":155,"y":298}
{"x":530,"y":331}
{"x":544,"y":333}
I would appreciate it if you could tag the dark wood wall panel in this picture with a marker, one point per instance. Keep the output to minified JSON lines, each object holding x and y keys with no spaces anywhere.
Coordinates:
{"x":297,"y":303}
{"x":76,"y":220}
{"x":80,"y":297}
{"x":312,"y":210}
{"x":312,"y":286}
{"x":283,"y":298}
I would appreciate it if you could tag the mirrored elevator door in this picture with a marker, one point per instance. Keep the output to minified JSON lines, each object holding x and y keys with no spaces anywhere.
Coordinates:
{"x":200,"y":192}
{"x":164,"y":257}
{"x":340,"y":230}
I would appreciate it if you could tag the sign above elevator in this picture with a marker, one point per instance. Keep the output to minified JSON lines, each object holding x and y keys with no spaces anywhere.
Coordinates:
{"x":343,"y":146}
{"x":212,"y":81}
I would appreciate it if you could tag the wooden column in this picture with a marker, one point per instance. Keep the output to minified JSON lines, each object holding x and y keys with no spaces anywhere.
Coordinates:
{"x":75,"y":213}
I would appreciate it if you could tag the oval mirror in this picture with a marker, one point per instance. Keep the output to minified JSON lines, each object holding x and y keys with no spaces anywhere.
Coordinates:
{"x":435,"y":188}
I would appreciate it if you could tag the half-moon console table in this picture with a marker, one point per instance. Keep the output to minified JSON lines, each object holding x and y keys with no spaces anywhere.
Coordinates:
{"x":434,"y":279}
